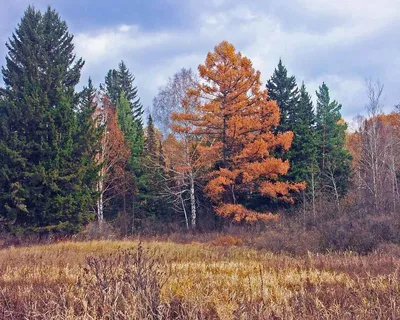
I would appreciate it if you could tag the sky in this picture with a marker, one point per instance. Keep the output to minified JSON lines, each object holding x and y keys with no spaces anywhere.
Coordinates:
{"x":341,"y":42}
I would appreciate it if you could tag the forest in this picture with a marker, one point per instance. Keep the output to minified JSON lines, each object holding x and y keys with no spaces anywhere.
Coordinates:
{"x":218,"y":151}
{"x":228,"y":198}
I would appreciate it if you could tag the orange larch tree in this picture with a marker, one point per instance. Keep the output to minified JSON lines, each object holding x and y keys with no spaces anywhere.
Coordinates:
{"x":237,"y":119}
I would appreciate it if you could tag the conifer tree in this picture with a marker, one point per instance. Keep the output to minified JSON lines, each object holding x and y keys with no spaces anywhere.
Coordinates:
{"x":238,"y":119}
{"x":151,"y":141}
{"x":112,"y":85}
{"x":126,"y":85}
{"x":148,"y":188}
{"x":119,"y":86}
{"x":297,"y":116}
{"x":125,"y":118}
{"x":283,"y":89}
{"x":303,"y":150}
{"x":88,"y":137}
{"x":121,"y":81}
{"x":333,"y":158}
{"x":42,"y":181}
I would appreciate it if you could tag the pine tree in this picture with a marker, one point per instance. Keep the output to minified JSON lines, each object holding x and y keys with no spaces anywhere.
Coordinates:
{"x":42,"y":181}
{"x":126,"y":85}
{"x":125,"y":118}
{"x":334,"y":159}
{"x":148,"y":188}
{"x":112,"y":85}
{"x":151,"y":140}
{"x":283,"y":89}
{"x":297,"y":116}
{"x":132,"y":128}
{"x":303,"y":150}
{"x":121,"y":81}
{"x":88,"y":138}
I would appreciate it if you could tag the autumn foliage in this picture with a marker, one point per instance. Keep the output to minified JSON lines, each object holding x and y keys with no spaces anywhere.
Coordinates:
{"x":375,"y":148}
{"x":237,"y":118}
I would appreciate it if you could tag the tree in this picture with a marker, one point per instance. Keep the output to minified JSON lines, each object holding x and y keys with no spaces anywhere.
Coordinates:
{"x":112,"y":158}
{"x":333,"y":158}
{"x":284,"y":91}
{"x":297,"y":116}
{"x":133,"y":137}
{"x":88,"y":137}
{"x":43,"y":186}
{"x":121,"y":81}
{"x":237,"y":118}
{"x":302,"y":152}
{"x":126,"y":80}
{"x":151,"y":140}
{"x":149,"y":189}
{"x":375,"y":148}
{"x":170,"y":97}
{"x":119,"y":86}
{"x":181,"y":173}
{"x":112,"y":85}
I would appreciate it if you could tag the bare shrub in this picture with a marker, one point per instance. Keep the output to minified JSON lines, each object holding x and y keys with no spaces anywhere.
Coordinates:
{"x":227,"y":240}
{"x":98,"y":230}
{"x":124,"y":283}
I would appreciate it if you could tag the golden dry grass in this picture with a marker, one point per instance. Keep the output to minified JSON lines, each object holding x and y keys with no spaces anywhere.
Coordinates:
{"x":201,"y":282}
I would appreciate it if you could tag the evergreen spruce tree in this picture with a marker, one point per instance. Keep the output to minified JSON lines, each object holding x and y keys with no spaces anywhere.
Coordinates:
{"x":151,"y":141}
{"x":125,"y":118}
{"x":112,"y":85}
{"x":126,"y":85}
{"x":333,"y":158}
{"x":302,"y":152}
{"x":149,"y":187}
{"x":283,"y":89}
{"x":88,"y":138}
{"x":121,"y":81}
{"x":41,"y":178}
{"x":297,"y":115}
{"x":128,"y":127}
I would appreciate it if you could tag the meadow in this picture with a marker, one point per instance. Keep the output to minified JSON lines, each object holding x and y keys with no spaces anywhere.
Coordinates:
{"x":221,"y":279}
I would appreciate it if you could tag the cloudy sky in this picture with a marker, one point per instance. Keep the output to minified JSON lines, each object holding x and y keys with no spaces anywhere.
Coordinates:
{"x":341,"y":42}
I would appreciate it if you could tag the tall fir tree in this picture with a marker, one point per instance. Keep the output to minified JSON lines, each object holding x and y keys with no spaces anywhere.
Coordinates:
{"x":333,"y":158}
{"x":128,"y":126}
{"x":88,"y":138}
{"x":297,"y":115}
{"x":42,"y":180}
{"x":151,"y":140}
{"x":112,"y":85}
{"x":283,"y":89}
{"x":122,"y":81}
{"x":148,"y":189}
{"x":127,"y":79}
{"x":303,"y":149}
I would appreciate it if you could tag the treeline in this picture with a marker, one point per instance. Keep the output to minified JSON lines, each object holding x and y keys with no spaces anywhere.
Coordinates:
{"x":222,"y":148}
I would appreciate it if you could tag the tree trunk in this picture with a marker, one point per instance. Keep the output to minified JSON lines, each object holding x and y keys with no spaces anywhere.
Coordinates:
{"x":133,"y":214}
{"x":192,"y":203}
{"x":313,"y":192}
{"x":184,"y":211}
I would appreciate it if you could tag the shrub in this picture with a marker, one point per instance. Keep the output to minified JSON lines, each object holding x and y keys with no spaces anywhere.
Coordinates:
{"x":362,"y":235}
{"x":227,"y":240}
{"x":125,"y":283}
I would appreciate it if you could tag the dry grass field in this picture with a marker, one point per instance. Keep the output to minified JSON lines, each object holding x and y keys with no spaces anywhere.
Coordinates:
{"x":166,"y":280}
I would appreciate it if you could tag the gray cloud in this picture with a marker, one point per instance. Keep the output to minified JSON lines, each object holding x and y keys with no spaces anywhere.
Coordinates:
{"x":340,"y":42}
